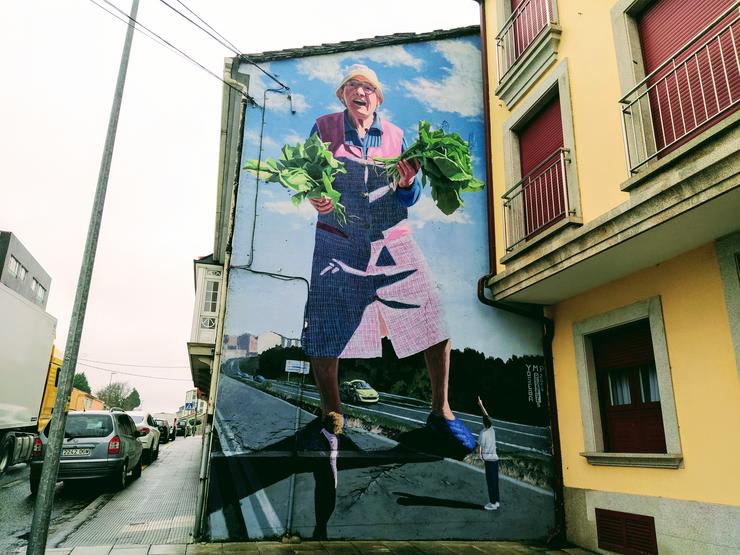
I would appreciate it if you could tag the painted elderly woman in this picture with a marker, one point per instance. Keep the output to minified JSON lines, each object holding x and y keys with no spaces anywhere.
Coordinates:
{"x":369,"y":278}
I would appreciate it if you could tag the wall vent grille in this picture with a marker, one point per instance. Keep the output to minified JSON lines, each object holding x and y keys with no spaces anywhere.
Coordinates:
{"x":626,"y":533}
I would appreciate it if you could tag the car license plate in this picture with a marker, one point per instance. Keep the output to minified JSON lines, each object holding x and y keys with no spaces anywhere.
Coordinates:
{"x":76,"y":452}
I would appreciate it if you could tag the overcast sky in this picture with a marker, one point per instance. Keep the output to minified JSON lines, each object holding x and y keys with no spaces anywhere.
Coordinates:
{"x":59,"y":64}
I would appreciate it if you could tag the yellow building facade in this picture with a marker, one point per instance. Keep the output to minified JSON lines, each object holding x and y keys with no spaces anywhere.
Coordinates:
{"x":78,"y":400}
{"x":616,"y":194}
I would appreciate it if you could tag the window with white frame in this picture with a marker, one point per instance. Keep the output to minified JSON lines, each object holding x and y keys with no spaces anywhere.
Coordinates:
{"x":625,"y":386}
{"x":34,"y":285}
{"x":40,"y":293}
{"x":22,"y":272}
{"x":14,"y":266}
{"x":210,"y":299}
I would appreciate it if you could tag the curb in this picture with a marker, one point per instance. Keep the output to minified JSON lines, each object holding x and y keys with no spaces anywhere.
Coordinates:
{"x":78,"y":520}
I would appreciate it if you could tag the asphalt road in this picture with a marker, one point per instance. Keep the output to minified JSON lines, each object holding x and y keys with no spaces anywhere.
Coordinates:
{"x":16,"y":506}
{"x":383,"y":491}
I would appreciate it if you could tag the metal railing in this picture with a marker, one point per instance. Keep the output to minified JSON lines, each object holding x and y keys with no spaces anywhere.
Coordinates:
{"x":525,"y":23}
{"x":693,"y":89}
{"x":536,"y":201}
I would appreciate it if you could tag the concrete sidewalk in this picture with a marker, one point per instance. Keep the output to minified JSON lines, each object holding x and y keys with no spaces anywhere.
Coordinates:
{"x":329,"y":547}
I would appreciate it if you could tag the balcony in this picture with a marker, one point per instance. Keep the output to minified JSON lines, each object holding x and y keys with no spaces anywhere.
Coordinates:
{"x":686,"y":95}
{"x":537,"y":201}
{"x":525,"y":46}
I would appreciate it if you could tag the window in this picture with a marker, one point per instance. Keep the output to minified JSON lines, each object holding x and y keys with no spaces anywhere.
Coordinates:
{"x":34,"y":285}
{"x":541,"y":159}
{"x":14,"y":266}
{"x":626,"y":392}
{"x":628,"y":389}
{"x":685,"y":76}
{"x":539,"y":152}
{"x":40,"y":293}
{"x":211,"y":296}
{"x":526,"y":45}
{"x":22,"y":272}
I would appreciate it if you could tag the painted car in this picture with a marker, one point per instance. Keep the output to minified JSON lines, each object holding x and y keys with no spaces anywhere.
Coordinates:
{"x":358,"y":392}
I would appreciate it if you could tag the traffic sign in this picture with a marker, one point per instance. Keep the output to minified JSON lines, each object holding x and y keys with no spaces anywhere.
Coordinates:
{"x":297,"y":366}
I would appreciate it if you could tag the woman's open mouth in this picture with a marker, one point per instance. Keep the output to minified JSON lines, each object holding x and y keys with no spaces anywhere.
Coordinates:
{"x":359,"y":102}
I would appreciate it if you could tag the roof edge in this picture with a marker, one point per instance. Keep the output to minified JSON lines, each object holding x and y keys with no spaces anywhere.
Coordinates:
{"x":360,"y":44}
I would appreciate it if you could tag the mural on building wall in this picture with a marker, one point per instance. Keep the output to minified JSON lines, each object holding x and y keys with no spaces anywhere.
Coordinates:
{"x":364,"y":391}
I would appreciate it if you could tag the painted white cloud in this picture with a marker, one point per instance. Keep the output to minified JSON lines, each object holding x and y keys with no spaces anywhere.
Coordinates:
{"x":394,"y":56}
{"x":259,"y":83}
{"x":286,"y":208}
{"x":267,"y":143}
{"x":293,"y":138}
{"x":425,"y":211}
{"x":330,"y":69}
{"x":460,"y":90}
{"x":324,"y":68}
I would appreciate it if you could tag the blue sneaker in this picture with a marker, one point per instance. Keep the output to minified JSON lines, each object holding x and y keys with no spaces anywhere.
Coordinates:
{"x":452,"y":430}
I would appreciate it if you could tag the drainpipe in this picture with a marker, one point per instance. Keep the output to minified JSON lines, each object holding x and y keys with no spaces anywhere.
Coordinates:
{"x":531,"y":311}
{"x":205,"y":461}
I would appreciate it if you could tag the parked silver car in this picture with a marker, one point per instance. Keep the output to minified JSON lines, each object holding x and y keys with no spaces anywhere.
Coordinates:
{"x":97,"y":444}
{"x":150,"y":437}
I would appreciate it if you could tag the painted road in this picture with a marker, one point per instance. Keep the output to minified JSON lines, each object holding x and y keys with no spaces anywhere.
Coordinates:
{"x":509,"y":435}
{"x":383,"y":491}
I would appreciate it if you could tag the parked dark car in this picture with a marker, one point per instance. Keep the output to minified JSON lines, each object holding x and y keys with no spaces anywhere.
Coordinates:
{"x":183,"y":428}
{"x":164,"y":430}
{"x":97,"y":444}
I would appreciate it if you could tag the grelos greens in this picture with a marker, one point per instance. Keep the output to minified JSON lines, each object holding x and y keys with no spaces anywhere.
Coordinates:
{"x":307,"y":169}
{"x":445,"y":162}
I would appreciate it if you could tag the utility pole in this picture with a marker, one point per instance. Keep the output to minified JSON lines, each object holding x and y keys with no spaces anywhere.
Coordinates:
{"x":47,"y":484}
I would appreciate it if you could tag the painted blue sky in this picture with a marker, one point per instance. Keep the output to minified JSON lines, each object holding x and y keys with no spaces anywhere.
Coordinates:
{"x":439,"y":81}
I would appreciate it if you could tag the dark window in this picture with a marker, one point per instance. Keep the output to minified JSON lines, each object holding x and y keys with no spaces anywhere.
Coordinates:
{"x":625,"y":532}
{"x":86,"y":425}
{"x":628,"y":389}
{"x":540,"y":149}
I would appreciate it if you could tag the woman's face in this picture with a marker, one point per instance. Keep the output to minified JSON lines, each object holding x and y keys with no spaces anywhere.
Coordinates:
{"x":360,"y":98}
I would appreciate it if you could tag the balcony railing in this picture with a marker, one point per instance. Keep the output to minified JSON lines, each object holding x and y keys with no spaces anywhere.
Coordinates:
{"x":537,"y":201}
{"x":689,"y":92}
{"x":519,"y":31}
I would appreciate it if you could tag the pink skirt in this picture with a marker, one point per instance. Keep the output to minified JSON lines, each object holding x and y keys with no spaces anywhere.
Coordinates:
{"x":410,"y":330}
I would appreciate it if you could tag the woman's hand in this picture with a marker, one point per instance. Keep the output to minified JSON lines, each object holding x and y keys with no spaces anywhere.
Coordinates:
{"x":323,"y":205}
{"x":407,"y":173}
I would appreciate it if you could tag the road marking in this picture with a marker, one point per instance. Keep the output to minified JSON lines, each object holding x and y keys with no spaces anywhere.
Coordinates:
{"x":254,"y":529}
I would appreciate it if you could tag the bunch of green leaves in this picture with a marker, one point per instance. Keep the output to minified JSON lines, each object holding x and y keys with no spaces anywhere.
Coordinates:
{"x":445,"y":162}
{"x":307,"y":169}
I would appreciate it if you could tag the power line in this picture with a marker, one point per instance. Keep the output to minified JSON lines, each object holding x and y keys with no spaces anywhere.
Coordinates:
{"x":219,"y":39}
{"x":222,"y":40}
{"x":206,"y":24}
{"x":136,"y":375}
{"x":163,"y":42}
{"x":130,"y":365}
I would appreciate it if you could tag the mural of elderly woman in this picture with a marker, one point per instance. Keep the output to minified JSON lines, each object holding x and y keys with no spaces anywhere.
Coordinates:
{"x":369,"y":278}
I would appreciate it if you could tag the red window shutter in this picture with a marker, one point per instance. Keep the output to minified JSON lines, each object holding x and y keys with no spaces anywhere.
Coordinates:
{"x":623,"y":347}
{"x":687,"y":98}
{"x":529,"y":22}
{"x":540,"y":142}
{"x":669,"y":24}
